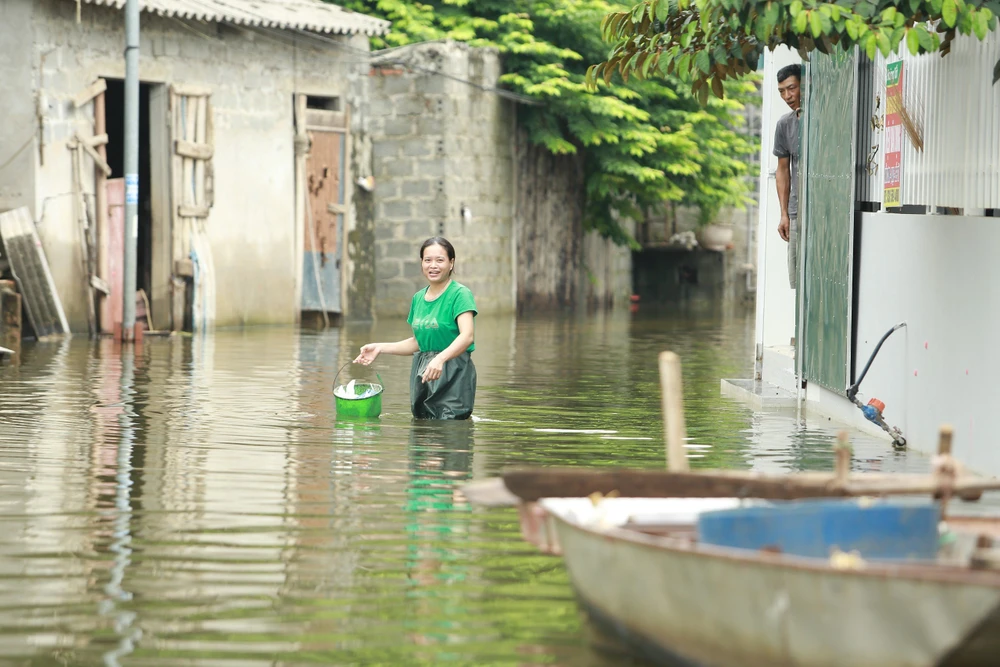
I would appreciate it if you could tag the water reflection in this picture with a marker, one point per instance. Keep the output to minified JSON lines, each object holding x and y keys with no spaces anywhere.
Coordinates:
{"x":197,"y":501}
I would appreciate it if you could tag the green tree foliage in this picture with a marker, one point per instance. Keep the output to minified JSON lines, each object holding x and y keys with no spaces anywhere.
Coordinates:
{"x":644,"y":143}
{"x":711,"y":42}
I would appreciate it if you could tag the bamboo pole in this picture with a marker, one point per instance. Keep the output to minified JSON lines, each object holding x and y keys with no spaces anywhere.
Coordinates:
{"x":843,"y":460}
{"x":944,"y":466}
{"x":673,"y":411}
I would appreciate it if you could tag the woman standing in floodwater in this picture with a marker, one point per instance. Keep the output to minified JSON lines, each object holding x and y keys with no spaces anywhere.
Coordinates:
{"x":442,"y":315}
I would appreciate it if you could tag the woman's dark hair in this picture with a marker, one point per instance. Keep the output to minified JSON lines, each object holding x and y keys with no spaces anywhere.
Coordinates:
{"x":441,"y":241}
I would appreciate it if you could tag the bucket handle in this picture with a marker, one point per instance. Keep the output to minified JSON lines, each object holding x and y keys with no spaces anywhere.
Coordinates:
{"x":348,"y":364}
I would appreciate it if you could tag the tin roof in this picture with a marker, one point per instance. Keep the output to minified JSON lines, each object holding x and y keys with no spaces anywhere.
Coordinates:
{"x":311,"y":15}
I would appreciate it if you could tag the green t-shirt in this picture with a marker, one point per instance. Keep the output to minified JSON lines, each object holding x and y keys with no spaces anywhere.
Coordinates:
{"x":435,"y":323}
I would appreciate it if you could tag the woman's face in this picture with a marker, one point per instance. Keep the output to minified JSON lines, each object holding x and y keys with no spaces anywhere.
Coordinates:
{"x":437,"y":267}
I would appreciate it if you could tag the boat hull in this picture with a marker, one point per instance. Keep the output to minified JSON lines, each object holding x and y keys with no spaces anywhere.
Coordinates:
{"x":697,"y":605}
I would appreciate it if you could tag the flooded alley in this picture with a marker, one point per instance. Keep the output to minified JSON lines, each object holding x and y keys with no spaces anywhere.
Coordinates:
{"x":199,"y":503}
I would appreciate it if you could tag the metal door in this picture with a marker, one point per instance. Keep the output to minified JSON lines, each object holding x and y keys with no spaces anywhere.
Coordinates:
{"x":828,"y":190}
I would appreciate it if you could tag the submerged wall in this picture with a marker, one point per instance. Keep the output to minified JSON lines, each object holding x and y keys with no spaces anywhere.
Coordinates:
{"x":252,"y":76}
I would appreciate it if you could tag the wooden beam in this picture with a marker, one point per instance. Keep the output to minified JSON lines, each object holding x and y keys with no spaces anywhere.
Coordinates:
{"x":89,"y":93}
{"x":673,"y":411}
{"x":184,"y":268}
{"x":192,"y":211}
{"x":192,"y":150}
{"x":188,"y":90}
{"x":96,"y":140}
{"x":534,"y":484}
{"x":100,"y":284}
{"x":98,"y":160}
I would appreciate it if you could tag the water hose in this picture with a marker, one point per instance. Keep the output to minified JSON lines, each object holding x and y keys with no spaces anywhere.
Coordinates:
{"x":873,"y":410}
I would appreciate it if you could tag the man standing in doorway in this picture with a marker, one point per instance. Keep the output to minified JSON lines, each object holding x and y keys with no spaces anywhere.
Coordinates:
{"x":786,"y":148}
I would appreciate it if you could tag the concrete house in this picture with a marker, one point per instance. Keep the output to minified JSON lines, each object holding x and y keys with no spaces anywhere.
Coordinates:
{"x":246,"y":146}
{"x":900,"y":183}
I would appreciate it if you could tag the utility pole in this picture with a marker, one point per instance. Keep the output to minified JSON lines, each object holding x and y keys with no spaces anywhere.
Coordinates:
{"x":131,"y":164}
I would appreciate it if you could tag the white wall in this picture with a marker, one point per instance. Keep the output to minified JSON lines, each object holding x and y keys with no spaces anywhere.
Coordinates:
{"x":939,"y":274}
{"x":775,"y":299}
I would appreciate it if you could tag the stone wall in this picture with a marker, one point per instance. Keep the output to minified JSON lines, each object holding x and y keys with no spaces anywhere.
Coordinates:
{"x":253,"y":76}
{"x":441,"y":145}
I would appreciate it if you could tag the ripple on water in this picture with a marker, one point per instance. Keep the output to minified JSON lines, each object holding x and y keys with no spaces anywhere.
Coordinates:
{"x":199,"y":502}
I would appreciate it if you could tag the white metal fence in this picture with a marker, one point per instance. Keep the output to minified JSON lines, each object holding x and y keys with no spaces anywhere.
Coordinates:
{"x":955,"y":102}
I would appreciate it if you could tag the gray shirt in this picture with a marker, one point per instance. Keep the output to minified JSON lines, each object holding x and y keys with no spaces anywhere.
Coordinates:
{"x":786,"y":144}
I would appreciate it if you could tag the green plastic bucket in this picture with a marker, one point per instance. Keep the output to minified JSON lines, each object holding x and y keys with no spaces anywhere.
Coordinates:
{"x":363,"y":401}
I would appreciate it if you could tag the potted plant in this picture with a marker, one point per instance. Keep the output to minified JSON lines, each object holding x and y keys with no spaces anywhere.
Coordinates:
{"x":711,"y":234}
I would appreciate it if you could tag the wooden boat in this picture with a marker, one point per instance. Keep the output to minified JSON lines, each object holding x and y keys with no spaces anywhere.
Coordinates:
{"x":637,"y":568}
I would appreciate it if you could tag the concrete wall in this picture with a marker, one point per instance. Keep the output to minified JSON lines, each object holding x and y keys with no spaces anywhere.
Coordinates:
{"x":939,"y":275}
{"x":253,"y":77}
{"x":550,"y":226}
{"x":559,"y":265}
{"x":606,"y":272}
{"x":778,"y":327}
{"x":440,"y":145}
{"x":18,"y":149}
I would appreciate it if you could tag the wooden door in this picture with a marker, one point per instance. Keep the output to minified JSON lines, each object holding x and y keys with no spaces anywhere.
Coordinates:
{"x":323,"y":253}
{"x":192,"y":194}
{"x":325,"y":173}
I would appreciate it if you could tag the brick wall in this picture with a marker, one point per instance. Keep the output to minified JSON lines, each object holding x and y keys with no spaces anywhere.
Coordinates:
{"x":440,"y":145}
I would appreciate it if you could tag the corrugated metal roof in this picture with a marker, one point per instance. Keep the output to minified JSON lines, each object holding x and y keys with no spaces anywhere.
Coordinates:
{"x":282,"y":14}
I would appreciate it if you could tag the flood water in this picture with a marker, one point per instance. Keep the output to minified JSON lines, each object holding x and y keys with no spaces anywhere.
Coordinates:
{"x":197,"y":502}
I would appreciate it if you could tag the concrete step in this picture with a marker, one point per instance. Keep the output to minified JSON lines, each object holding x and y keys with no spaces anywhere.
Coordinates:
{"x":778,"y":367}
{"x":758,"y":395}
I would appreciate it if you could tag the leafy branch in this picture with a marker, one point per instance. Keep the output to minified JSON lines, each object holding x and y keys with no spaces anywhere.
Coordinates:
{"x":643,"y":144}
{"x":708,"y":42}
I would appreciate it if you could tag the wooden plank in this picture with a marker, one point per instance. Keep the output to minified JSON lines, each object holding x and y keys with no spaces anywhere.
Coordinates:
{"x":99,"y":162}
{"x":184,"y":268}
{"x":96,"y":140}
{"x":186,"y":211}
{"x":193,"y":150}
{"x":324,"y":128}
{"x":90,"y":92}
{"x":160,"y":207}
{"x":210,"y":164}
{"x":101,"y":210}
{"x":115,"y":245}
{"x":189,"y":120}
{"x":322,"y":119}
{"x":190,"y":90}
{"x":28,"y":263}
{"x":100,"y":285}
{"x":86,"y":263}
{"x":199,"y":138}
{"x":10,"y":320}
{"x":179,"y":250}
{"x":534,"y":484}
{"x":489,"y":493}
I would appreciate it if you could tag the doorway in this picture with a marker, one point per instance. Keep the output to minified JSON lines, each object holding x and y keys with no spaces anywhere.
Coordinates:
{"x":152,"y":248}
